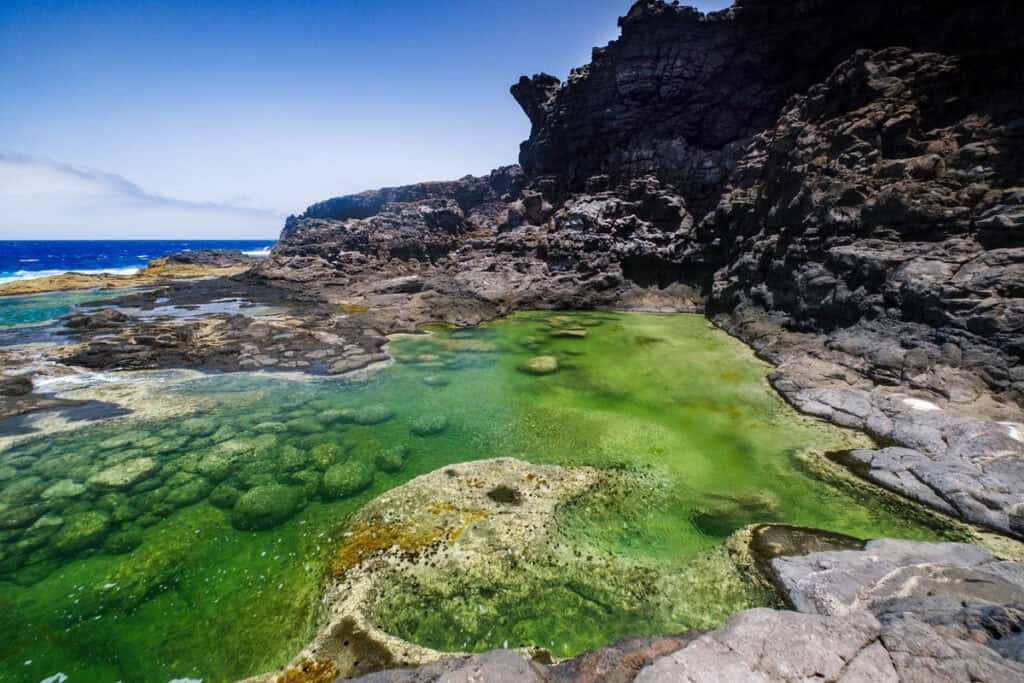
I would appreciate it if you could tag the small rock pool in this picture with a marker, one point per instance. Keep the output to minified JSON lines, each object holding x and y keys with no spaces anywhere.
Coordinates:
{"x":195,"y":547}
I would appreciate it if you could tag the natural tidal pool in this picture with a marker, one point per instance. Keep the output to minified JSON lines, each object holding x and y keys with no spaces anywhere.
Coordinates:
{"x":152,"y":550}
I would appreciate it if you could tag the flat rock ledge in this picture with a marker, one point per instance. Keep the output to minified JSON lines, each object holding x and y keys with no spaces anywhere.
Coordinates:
{"x":892,"y":611}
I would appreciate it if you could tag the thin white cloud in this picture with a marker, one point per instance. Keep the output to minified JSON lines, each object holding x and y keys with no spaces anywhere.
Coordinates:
{"x":42,"y":199}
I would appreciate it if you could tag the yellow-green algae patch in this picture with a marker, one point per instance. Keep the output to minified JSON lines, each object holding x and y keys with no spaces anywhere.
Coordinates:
{"x":147,"y":576}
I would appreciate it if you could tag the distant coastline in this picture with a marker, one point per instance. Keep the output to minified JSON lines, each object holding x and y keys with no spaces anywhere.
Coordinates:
{"x":31,"y":259}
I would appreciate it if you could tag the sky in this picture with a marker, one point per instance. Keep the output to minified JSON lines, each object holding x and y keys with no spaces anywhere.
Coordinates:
{"x":192,"y":119}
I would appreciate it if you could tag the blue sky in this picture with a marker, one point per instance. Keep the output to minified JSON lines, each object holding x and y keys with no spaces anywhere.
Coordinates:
{"x":191,"y":119}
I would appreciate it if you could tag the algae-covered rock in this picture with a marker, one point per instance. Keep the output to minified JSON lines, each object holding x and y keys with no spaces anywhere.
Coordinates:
{"x":185,"y":489}
{"x":290,"y":458}
{"x":22,"y":490}
{"x":65,"y":488}
{"x":305,"y":425}
{"x":270,"y":428}
{"x":392,"y":459}
{"x":223,"y":433}
{"x":198,"y":426}
{"x":308,"y":481}
{"x":264,"y":507}
{"x":217,"y":465}
{"x":570,"y":333}
{"x":80,"y":531}
{"x":540,"y":365}
{"x":123,"y":475}
{"x":372,"y":414}
{"x":428,"y":425}
{"x":224,"y":496}
{"x":122,"y":440}
{"x":347,"y":479}
{"x":334,"y":415}
{"x":123,"y":541}
{"x":436,"y":381}
{"x":324,"y":455}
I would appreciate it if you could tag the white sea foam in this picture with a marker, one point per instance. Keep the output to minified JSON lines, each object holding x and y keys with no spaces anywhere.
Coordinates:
{"x":35,"y":274}
{"x":28,"y":260}
{"x":259,"y":253}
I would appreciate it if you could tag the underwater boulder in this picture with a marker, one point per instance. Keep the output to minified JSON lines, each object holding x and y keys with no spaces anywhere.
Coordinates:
{"x":540,"y":365}
{"x":392,"y":459}
{"x":123,"y":475}
{"x":347,"y":479}
{"x":264,"y":507}
{"x":428,"y":425}
{"x":80,"y":531}
{"x":436,"y":381}
{"x":372,"y":414}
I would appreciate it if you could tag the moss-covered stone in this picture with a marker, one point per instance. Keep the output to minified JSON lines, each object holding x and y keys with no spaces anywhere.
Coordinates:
{"x":347,"y":479}
{"x":264,"y":507}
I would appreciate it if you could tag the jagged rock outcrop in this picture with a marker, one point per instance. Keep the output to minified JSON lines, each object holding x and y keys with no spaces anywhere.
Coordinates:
{"x":679,"y":92}
{"x":838,"y":183}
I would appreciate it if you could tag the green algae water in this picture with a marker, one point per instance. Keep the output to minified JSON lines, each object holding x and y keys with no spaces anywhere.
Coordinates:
{"x":153,"y":550}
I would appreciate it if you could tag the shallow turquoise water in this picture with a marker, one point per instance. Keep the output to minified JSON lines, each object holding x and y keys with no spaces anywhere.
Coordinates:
{"x":128,"y":548}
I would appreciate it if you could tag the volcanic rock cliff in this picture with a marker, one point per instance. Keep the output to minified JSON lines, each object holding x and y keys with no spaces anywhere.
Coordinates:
{"x":840,"y":184}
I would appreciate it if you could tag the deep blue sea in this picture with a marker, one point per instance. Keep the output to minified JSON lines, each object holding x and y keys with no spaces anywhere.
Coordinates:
{"x":26,"y":259}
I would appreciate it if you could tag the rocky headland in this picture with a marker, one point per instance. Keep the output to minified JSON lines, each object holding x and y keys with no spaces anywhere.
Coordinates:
{"x":838,"y":184}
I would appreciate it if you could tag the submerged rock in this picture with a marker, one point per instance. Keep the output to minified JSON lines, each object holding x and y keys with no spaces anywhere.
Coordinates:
{"x":392,"y":459}
{"x":264,"y":507}
{"x":80,"y":531}
{"x":198,"y":426}
{"x":65,"y":488}
{"x":540,"y":365}
{"x":428,"y":425}
{"x":347,"y":479}
{"x":224,"y":496}
{"x":373,"y":414}
{"x":123,"y":475}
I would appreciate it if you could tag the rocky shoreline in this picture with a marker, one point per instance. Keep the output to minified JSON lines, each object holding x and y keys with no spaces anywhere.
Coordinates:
{"x":838,"y":185}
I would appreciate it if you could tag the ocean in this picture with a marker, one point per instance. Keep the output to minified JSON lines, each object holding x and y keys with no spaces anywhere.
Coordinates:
{"x":21,"y":260}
